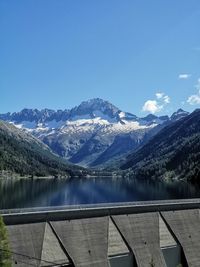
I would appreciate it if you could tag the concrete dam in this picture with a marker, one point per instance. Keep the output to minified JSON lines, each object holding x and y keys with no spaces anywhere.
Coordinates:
{"x":143,"y":234}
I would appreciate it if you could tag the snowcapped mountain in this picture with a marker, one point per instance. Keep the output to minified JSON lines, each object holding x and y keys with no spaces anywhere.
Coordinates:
{"x":179,"y":114}
{"x":90,"y":134}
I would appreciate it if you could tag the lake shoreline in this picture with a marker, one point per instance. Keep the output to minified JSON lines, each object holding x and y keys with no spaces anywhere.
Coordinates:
{"x":56,"y":178}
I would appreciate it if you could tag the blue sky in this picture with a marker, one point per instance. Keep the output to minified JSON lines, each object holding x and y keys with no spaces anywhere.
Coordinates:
{"x":141,"y":55}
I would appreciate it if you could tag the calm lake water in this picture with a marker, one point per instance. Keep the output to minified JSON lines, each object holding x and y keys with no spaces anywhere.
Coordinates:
{"x":46,"y":192}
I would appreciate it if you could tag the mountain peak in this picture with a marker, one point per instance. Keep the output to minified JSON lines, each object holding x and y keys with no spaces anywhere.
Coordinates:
{"x":180,"y":110}
{"x":97,"y":103}
{"x":95,"y":100}
{"x":180,"y":113}
{"x":150,"y":117}
{"x":95,"y":106}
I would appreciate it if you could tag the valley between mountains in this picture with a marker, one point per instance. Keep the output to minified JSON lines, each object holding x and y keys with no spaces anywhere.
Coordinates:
{"x":96,"y":134}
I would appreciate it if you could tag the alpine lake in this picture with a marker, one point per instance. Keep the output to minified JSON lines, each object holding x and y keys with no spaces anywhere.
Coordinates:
{"x":29,"y":193}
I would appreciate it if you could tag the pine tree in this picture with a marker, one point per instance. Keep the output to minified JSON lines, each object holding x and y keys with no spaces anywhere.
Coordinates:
{"x":5,"y":258}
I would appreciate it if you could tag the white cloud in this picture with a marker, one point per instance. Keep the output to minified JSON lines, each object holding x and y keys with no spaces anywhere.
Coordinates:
{"x":195,"y":99}
{"x":151,"y":106}
{"x":154,"y":106}
{"x":159,"y":95}
{"x":184,"y":76}
{"x":163,"y":97}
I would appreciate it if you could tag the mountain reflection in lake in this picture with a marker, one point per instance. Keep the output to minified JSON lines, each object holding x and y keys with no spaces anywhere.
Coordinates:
{"x":56,"y":192}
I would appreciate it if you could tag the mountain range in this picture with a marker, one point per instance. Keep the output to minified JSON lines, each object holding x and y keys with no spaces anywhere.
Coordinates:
{"x":92,"y":134}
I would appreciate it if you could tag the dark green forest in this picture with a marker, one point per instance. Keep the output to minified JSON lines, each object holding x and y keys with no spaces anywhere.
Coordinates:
{"x":26,"y":156}
{"x":174,"y":153}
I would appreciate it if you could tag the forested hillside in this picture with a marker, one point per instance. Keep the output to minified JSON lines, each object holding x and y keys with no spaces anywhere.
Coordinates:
{"x":23,"y":154}
{"x":174,"y":153}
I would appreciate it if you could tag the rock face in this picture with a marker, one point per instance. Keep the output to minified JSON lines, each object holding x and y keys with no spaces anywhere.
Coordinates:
{"x":92,"y":133}
{"x":179,"y":114}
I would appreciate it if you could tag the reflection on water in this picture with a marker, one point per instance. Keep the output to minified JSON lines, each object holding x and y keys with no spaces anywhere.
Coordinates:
{"x":57,"y":192}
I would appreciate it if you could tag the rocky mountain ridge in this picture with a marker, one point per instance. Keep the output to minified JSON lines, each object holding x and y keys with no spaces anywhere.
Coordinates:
{"x":92,"y":133}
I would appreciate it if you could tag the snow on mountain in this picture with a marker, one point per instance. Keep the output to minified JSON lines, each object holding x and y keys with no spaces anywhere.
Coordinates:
{"x":180,"y":113}
{"x":92,"y":133}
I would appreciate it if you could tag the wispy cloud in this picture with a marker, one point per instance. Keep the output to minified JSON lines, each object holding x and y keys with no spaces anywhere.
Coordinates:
{"x":166,"y":99}
{"x":195,"y":98}
{"x":184,"y":76}
{"x":159,"y":95}
{"x":156,"y":105}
